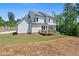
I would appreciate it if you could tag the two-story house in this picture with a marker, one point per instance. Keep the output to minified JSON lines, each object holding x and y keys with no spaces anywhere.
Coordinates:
{"x":36,"y":21}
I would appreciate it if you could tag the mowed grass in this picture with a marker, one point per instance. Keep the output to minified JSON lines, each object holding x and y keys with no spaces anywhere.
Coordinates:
{"x":24,"y":38}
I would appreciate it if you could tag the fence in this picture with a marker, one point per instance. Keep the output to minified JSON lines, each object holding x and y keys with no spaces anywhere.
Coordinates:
{"x":7,"y":28}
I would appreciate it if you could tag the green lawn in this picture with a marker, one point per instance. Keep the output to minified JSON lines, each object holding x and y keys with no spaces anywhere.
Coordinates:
{"x":24,"y":38}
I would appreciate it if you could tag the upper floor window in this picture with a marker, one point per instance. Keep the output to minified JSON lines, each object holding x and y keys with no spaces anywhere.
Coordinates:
{"x":34,"y":19}
{"x":53,"y":21}
{"x":37,"y":19}
{"x":49,"y":20}
{"x":44,"y":20}
{"x":28,"y":16}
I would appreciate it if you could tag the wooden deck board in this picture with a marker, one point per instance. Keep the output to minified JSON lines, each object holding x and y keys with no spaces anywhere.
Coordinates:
{"x":46,"y":32}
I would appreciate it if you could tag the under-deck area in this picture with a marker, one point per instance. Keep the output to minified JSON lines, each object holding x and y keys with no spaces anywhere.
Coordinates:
{"x":47,"y":30}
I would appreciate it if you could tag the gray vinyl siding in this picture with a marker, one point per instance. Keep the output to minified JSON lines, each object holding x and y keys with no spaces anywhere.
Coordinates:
{"x":23,"y":27}
{"x":27,"y":25}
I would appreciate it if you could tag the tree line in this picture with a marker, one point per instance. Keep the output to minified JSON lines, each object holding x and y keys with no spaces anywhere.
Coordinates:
{"x":67,"y":21}
{"x":11,"y":20}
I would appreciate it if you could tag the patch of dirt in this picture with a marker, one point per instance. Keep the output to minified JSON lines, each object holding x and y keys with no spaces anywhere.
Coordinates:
{"x":65,"y":46}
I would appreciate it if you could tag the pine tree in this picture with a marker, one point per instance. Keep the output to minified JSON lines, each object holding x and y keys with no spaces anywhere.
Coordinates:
{"x":70,"y":18}
{"x":11,"y":18}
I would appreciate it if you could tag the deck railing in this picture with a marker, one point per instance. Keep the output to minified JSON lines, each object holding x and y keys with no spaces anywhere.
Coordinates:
{"x":46,"y":32}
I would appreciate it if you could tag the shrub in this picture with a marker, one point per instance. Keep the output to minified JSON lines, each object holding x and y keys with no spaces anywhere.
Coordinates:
{"x":14,"y":33}
{"x":77,"y":30}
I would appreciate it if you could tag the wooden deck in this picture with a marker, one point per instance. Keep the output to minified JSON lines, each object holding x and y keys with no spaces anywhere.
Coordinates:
{"x":48,"y":32}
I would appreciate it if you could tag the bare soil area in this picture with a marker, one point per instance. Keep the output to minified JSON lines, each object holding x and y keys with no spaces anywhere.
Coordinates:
{"x":68,"y":46}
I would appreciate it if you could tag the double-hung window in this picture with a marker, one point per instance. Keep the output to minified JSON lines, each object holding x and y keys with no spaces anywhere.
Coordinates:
{"x":37,"y":19}
{"x":34,"y":20}
{"x":44,"y":20}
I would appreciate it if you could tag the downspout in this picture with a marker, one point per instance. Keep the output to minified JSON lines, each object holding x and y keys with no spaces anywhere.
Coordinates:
{"x":30,"y":23}
{"x":46,"y":24}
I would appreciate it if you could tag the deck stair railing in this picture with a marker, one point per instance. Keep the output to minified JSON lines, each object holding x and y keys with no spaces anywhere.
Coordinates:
{"x":47,"y":32}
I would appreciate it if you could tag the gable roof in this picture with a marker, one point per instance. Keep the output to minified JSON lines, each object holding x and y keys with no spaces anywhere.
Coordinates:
{"x":36,"y":13}
{"x":39,"y":13}
{"x":23,"y":18}
{"x":43,"y":13}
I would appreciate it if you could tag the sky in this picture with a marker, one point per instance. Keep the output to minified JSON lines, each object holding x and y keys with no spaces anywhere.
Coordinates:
{"x":21,"y":9}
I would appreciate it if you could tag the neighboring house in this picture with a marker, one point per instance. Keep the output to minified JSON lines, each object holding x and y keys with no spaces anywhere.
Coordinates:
{"x":35,"y":21}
